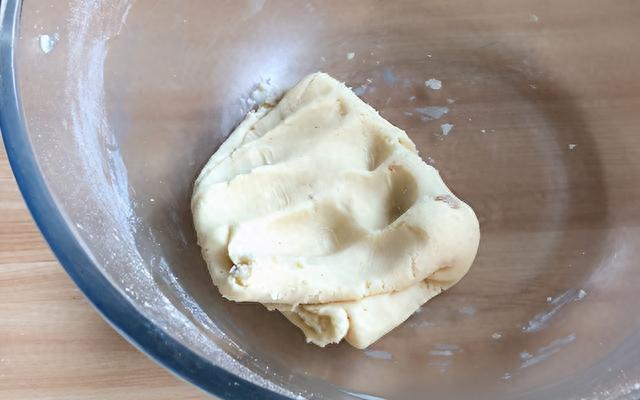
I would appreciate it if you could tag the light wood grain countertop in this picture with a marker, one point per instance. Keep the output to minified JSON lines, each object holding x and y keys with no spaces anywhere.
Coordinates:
{"x":53,"y":343}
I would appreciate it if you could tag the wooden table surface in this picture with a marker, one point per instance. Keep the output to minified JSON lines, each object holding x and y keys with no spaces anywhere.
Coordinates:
{"x":53,"y":343}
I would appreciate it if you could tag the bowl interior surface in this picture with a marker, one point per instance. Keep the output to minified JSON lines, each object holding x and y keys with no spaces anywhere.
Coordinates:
{"x":535,"y":126}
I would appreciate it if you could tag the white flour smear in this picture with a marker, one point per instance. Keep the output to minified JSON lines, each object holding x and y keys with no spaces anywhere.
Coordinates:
{"x":540,"y":321}
{"x":545,"y":352}
{"x":118,"y":256}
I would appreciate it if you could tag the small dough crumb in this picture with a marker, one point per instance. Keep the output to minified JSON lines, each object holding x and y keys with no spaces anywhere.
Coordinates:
{"x":433,"y":84}
{"x":446,"y":128}
{"x":319,"y":208}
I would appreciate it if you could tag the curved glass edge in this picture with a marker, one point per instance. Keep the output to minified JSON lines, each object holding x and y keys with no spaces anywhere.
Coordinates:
{"x":122,"y":315}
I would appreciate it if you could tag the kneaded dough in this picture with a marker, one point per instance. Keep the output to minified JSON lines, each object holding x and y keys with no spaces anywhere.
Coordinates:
{"x":323,"y":210}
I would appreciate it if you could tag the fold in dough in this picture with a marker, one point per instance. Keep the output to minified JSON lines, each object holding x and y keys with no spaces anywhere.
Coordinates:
{"x":321,"y":209}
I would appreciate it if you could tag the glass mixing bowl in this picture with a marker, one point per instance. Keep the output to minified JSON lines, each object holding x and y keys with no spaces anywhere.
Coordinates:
{"x":109,"y":109}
